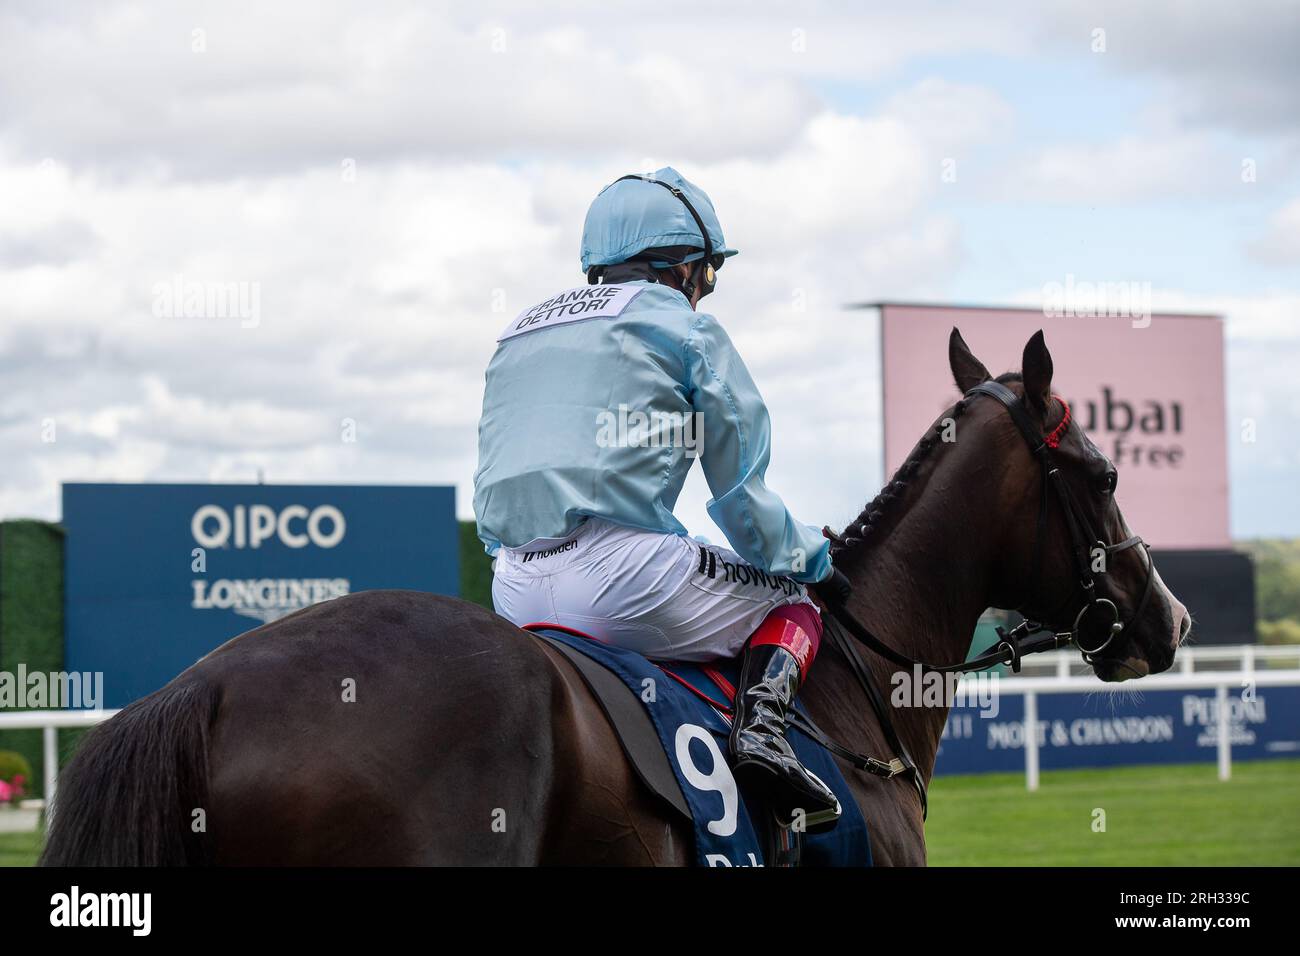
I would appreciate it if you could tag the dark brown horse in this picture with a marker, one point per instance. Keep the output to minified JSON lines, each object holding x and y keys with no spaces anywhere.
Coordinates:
{"x":396,"y":727}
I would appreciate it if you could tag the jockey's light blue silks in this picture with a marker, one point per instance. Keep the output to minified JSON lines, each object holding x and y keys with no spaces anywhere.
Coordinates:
{"x":630,"y":216}
{"x":597,"y":402}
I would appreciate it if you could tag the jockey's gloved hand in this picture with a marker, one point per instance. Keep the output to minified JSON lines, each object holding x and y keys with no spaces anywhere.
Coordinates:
{"x":834,"y":590}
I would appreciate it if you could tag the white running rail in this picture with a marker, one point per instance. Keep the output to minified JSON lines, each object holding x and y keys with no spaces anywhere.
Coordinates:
{"x":1245,"y":657}
{"x":49,"y":722}
{"x":1220,"y":681}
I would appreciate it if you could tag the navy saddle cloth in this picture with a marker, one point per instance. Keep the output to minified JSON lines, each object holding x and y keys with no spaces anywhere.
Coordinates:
{"x":687,"y":705}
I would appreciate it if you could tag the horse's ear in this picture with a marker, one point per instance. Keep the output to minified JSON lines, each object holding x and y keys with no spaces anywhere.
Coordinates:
{"x":1036,"y":367}
{"x":967,"y":370}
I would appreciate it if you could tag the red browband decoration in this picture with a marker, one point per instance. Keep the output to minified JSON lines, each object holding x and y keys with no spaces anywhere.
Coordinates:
{"x":1057,"y":433}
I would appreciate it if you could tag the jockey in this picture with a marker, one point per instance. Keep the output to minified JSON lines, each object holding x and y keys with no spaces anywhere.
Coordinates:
{"x":596,"y":403}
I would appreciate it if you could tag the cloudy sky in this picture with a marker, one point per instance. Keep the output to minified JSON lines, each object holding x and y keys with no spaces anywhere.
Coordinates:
{"x":387,"y":182}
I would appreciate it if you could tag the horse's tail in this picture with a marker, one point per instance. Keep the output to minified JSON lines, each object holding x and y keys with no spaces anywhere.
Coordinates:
{"x":129,"y":795}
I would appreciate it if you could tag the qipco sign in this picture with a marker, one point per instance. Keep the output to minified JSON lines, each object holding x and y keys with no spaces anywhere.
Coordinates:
{"x":158,"y":575}
{"x":248,"y":526}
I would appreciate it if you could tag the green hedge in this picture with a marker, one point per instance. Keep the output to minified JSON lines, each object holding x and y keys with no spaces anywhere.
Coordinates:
{"x":31,"y":619}
{"x":475,"y":567}
{"x":1277,"y":588}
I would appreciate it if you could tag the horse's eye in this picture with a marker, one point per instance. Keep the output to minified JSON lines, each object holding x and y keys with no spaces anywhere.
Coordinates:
{"x":1106,"y":485}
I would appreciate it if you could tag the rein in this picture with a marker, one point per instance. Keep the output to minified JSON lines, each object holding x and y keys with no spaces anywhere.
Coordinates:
{"x":1027,"y":637}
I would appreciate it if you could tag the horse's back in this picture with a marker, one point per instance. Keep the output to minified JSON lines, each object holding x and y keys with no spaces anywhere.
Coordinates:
{"x":405,"y":727}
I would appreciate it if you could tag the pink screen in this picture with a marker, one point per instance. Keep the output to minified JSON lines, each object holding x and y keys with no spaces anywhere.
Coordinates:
{"x":1152,"y":399}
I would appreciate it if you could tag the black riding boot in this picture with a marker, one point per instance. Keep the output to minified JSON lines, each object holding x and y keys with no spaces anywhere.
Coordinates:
{"x":761,"y":756}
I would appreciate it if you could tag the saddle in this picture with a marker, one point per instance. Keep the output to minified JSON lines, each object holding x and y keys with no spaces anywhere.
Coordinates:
{"x":672,"y":721}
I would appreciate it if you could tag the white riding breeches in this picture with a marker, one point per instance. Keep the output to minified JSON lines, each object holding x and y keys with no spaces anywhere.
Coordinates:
{"x":666,"y":596}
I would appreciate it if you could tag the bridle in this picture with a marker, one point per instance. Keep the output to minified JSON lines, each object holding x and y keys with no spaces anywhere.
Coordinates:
{"x":1086,"y":544}
{"x":1027,"y":637}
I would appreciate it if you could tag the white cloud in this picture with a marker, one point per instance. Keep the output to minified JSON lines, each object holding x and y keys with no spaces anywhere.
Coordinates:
{"x":264,"y":88}
{"x":1131,"y":169}
{"x":1280,"y":243}
{"x":381,"y":293}
{"x":380,"y":299}
{"x":1230,"y":66}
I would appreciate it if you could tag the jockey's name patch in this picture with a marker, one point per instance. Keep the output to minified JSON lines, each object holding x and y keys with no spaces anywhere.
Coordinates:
{"x":573,"y":305}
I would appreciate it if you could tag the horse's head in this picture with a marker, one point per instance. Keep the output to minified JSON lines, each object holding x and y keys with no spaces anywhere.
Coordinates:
{"x":1069,"y":558}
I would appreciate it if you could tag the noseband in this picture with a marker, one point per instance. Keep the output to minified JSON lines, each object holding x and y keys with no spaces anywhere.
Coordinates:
{"x":1099,"y":620}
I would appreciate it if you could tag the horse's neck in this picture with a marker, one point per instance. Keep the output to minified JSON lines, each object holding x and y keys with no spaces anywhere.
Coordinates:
{"x":920,"y":588}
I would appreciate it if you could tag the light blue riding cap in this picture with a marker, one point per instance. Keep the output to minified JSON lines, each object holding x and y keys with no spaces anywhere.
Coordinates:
{"x":630,"y":216}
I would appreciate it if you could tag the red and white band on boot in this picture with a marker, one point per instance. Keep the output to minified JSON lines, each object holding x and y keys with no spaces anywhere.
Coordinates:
{"x":797,"y":628}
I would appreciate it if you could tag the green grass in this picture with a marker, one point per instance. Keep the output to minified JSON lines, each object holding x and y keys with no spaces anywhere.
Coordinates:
{"x":1155,"y":816}
{"x":20,"y":849}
